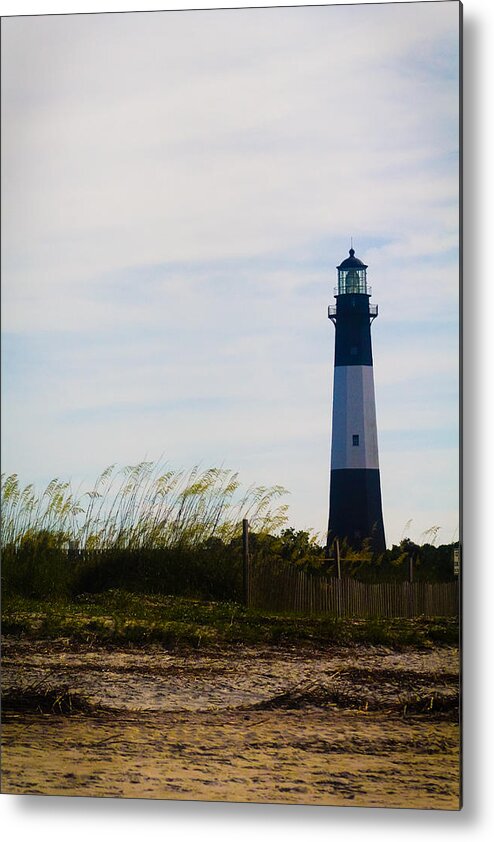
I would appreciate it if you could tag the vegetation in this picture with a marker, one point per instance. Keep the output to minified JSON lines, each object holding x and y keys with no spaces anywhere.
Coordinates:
{"x":143,"y":528}
{"x":429,"y":563}
{"x":149,"y":530}
{"x":138,"y":507}
{"x":119,"y":617}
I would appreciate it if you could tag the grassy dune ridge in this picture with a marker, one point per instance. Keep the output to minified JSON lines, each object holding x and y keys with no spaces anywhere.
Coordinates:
{"x":119,"y":617}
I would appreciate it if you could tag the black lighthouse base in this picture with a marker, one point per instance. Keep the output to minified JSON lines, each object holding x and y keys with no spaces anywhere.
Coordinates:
{"x":355,"y":512}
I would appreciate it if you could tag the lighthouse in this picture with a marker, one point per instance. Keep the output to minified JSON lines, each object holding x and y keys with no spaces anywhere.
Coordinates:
{"x":355,"y":507}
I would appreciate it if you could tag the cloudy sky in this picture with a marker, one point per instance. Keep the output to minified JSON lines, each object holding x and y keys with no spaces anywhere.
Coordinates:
{"x":177,"y":189}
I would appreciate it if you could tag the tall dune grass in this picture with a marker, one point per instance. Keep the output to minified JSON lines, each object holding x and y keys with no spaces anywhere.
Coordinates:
{"x":140,"y":506}
{"x":143,"y":527}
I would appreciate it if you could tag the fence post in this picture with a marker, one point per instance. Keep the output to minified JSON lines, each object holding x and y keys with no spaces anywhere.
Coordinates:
{"x":337,"y":557}
{"x":410,"y":568}
{"x":73,"y":551}
{"x":336,"y":550}
{"x":246,"y":560}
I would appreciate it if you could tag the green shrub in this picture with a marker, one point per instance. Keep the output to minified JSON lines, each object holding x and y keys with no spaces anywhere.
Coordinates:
{"x":38,"y":566}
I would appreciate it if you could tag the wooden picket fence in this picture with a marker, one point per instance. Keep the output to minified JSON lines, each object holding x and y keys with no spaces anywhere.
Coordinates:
{"x":276,"y":587}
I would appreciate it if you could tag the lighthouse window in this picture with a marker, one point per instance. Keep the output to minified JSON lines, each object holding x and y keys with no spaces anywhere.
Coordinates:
{"x":355,"y":441}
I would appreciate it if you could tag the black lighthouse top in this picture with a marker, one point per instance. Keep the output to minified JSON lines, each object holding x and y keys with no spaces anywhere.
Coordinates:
{"x":352,"y":276}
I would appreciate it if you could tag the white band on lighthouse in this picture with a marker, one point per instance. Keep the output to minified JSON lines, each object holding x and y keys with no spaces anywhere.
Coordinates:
{"x":354,"y":438}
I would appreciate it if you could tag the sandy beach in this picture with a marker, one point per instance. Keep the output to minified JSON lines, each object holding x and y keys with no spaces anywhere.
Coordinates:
{"x":357,"y":725}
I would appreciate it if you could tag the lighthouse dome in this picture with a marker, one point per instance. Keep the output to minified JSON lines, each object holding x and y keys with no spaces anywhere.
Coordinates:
{"x":352,"y":262}
{"x":352,"y":276}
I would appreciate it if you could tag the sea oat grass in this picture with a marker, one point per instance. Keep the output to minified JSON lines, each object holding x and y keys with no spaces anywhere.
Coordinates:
{"x":141,"y":506}
{"x":143,"y":527}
